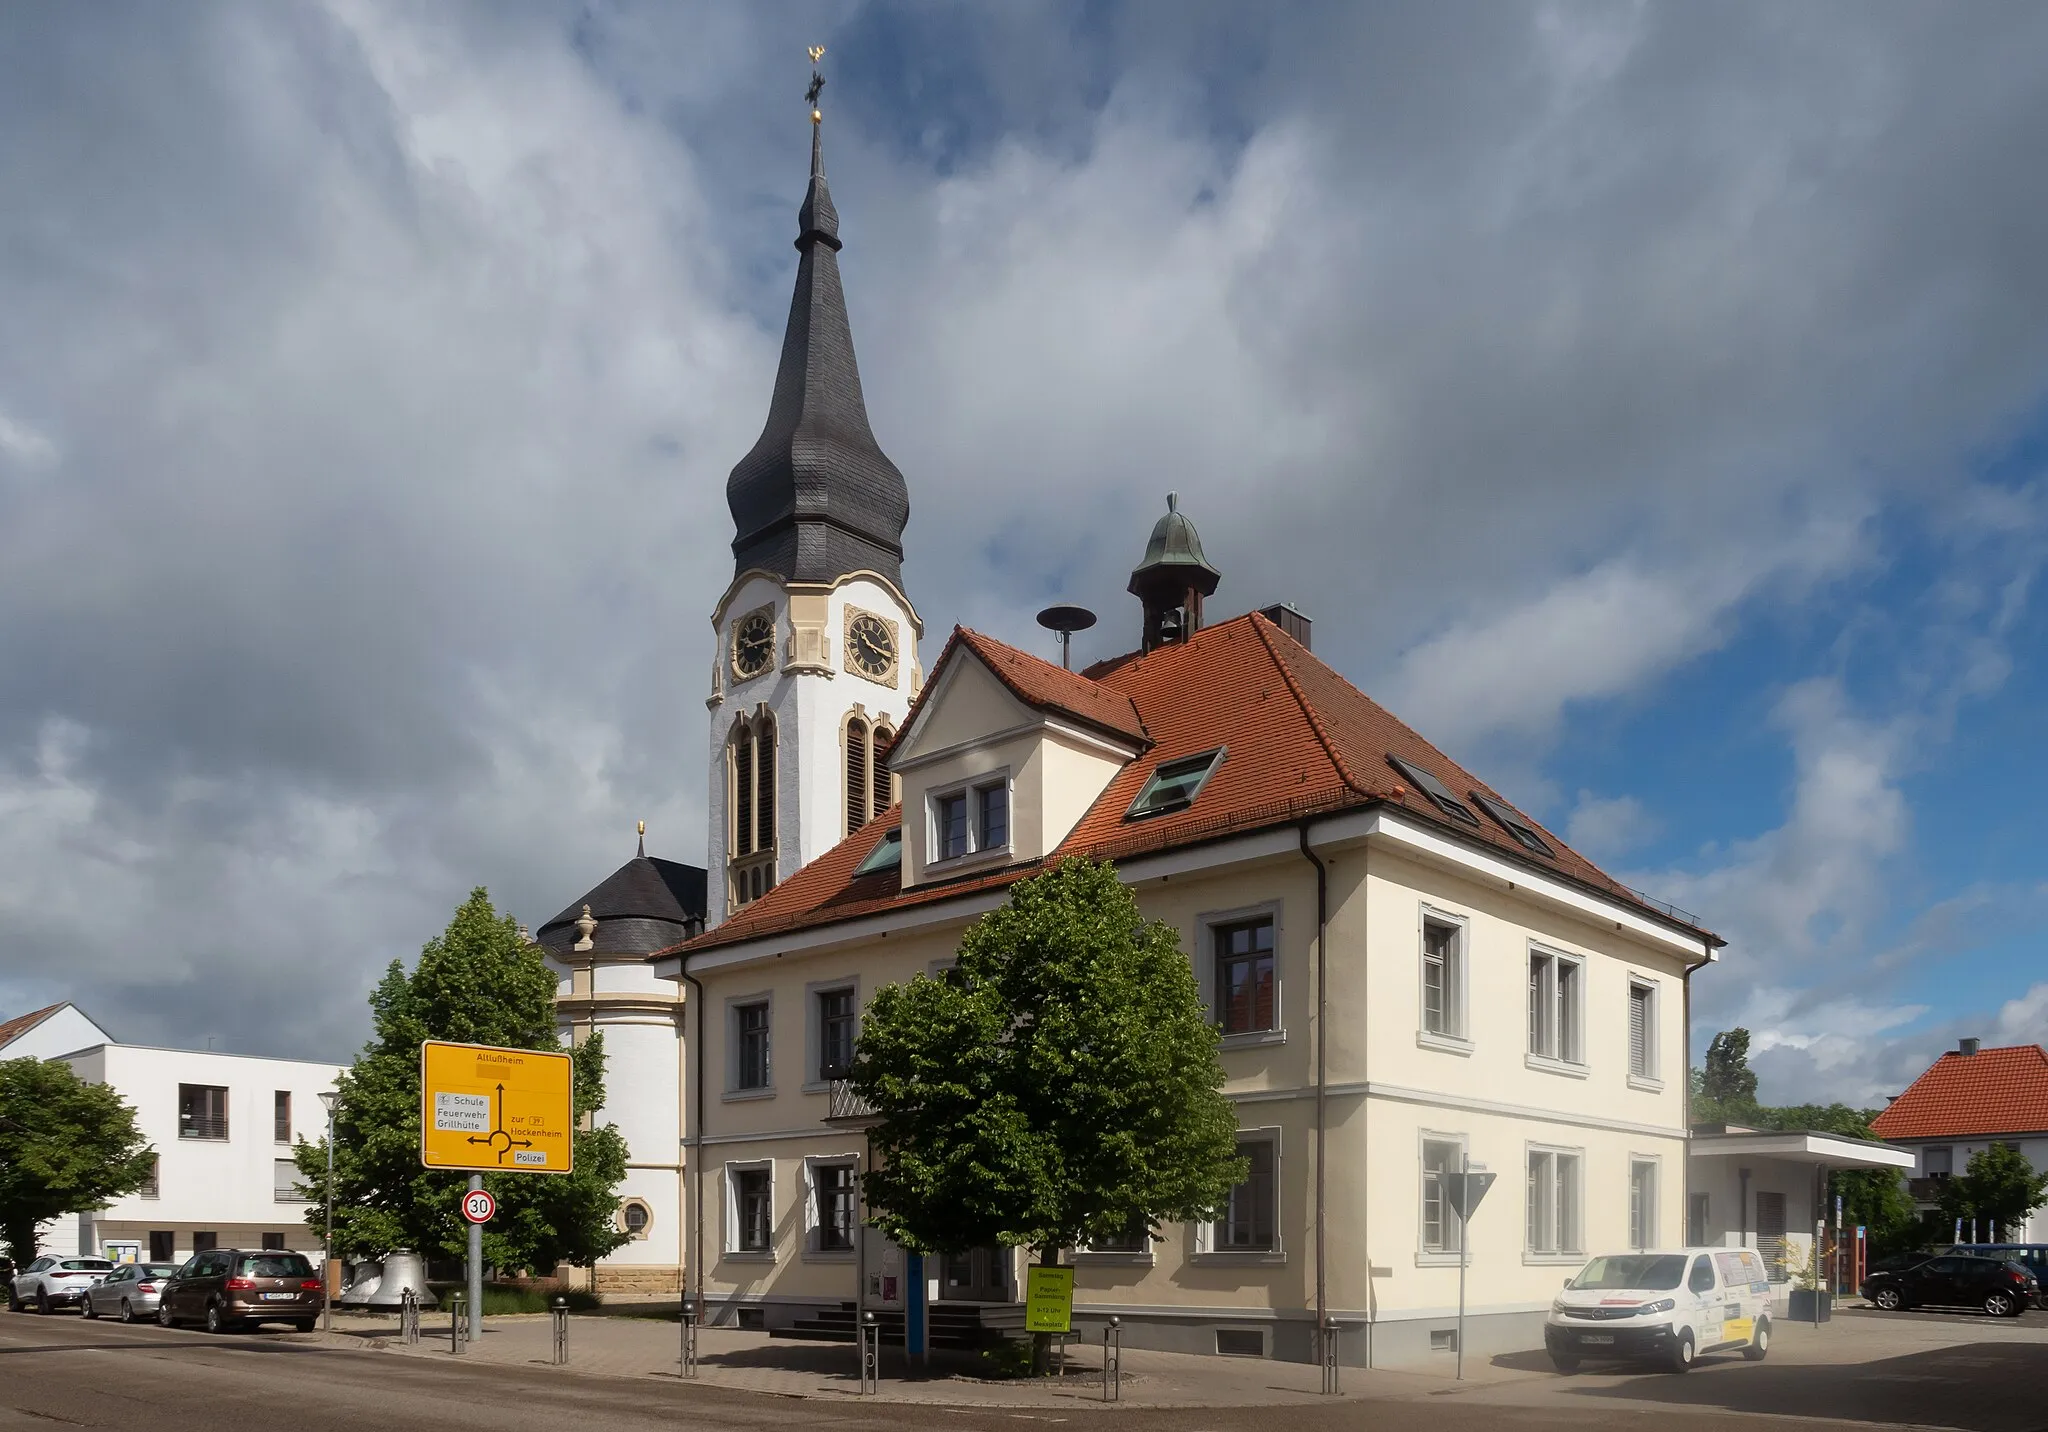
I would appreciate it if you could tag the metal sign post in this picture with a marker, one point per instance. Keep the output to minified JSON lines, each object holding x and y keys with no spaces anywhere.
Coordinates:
{"x":1464,"y":1190}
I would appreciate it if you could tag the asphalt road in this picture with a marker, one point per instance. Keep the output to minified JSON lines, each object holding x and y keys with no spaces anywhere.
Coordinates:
{"x":65,"y":1372}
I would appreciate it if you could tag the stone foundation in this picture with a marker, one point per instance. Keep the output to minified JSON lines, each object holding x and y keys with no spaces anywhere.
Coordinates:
{"x":648,"y":1278}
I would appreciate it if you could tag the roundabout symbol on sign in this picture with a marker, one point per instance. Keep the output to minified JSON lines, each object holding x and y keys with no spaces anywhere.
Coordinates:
{"x":478,"y":1206}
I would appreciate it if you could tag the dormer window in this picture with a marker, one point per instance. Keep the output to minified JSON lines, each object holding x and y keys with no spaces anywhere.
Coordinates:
{"x":887,"y":855}
{"x":1175,"y":784}
{"x":1513,"y":824}
{"x":970,"y":819}
{"x":1438,"y":793}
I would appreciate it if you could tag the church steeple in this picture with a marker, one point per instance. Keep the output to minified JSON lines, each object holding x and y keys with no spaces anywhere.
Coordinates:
{"x":817,"y":498}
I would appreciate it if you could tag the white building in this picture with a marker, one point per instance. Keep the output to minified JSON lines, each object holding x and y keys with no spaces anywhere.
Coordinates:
{"x":222,"y":1126}
{"x":48,"y":1032}
{"x":1968,"y":1100}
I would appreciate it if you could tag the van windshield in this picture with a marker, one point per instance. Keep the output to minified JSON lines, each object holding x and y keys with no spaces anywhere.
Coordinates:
{"x":277,"y":1265}
{"x":1633,"y":1270}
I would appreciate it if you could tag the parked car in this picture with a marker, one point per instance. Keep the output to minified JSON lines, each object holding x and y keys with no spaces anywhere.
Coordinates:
{"x":55,"y":1282}
{"x":129,"y":1292}
{"x":2031,"y":1256}
{"x":231,"y":1288}
{"x":1999,"y":1286}
{"x":1663,"y":1307}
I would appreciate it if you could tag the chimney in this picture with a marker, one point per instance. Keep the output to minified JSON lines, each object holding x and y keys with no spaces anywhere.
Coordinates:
{"x":1967,"y":1047}
{"x":1284,"y":616}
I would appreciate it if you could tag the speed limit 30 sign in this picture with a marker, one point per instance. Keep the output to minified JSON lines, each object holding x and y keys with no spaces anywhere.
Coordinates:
{"x":478,"y":1206}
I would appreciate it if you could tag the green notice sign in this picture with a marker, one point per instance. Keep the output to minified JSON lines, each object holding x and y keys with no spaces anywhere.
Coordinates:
{"x":1048,"y":1300}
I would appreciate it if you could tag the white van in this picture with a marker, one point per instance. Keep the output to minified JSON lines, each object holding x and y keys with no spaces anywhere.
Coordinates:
{"x":1665,"y":1307}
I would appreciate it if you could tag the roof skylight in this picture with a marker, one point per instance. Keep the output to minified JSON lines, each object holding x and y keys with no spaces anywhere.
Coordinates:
{"x":887,"y":855}
{"x":1175,"y":784}
{"x":1513,"y":824}
{"x":1435,"y":789}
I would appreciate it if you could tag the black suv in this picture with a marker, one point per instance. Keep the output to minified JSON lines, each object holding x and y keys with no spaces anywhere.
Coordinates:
{"x":2000,"y":1287}
{"x":229,"y":1288}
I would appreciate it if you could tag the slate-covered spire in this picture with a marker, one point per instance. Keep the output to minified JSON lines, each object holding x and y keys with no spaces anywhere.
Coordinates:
{"x":817,"y":498}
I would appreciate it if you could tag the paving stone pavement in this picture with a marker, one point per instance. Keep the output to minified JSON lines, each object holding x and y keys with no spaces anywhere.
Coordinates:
{"x":750,"y":1361}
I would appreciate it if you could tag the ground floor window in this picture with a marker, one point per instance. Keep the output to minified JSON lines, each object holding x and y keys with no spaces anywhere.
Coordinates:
{"x":752,"y":1194}
{"x":1442,"y":1161}
{"x":1642,"y":1203}
{"x":1770,"y":1232}
{"x":835,"y":1215}
{"x":163,"y":1245}
{"x":1696,"y":1221}
{"x":1553,"y":1201}
{"x":1248,"y":1224}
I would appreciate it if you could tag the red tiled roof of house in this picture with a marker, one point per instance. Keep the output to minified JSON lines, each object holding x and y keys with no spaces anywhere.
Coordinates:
{"x":21,"y":1024}
{"x":1299,"y":741}
{"x":1994,"y":1091}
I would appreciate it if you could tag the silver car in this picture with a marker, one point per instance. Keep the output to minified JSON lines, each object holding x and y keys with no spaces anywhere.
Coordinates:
{"x":55,"y":1282}
{"x":129,"y":1292}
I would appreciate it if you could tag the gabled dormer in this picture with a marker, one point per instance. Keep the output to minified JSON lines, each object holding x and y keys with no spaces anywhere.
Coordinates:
{"x":1001,"y":757}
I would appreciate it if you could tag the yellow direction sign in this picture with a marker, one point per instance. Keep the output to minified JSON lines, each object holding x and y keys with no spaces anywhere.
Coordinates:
{"x":1048,"y":1300}
{"x":498,"y":1110}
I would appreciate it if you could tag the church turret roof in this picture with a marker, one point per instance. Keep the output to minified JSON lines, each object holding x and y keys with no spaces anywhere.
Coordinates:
{"x":817,"y":498}
{"x":644,"y":905}
{"x":1176,"y":548}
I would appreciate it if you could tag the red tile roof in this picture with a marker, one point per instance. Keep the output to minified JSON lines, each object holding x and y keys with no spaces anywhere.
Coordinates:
{"x":1299,"y":741}
{"x":21,"y":1024}
{"x":1994,"y":1091}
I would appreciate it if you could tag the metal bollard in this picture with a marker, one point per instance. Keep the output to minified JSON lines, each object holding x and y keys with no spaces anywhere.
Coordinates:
{"x":458,"y":1326}
{"x":689,"y":1338}
{"x":1112,"y":1360}
{"x":409,"y":1316}
{"x":870,"y":1355}
{"x":1331,"y":1347}
{"x":560,"y":1312}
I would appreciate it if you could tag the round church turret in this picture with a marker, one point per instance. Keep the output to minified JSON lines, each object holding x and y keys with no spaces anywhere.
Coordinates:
{"x":1173,"y":578}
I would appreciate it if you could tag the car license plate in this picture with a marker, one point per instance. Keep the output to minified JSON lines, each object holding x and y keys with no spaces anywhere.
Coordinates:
{"x":1597,"y":1339}
{"x":280,"y":1297}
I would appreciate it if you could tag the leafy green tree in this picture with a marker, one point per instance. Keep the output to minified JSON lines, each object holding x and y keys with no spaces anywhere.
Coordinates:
{"x":478,"y":982}
{"x":1998,"y":1188}
{"x":1059,"y":1086}
{"x":66,"y":1146}
{"x":1725,"y":1091}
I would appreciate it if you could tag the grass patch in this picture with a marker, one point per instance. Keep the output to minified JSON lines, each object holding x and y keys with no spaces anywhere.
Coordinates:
{"x":501,"y":1298}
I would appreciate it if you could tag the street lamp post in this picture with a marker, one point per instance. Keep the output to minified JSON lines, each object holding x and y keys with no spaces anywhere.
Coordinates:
{"x":328,"y":1097}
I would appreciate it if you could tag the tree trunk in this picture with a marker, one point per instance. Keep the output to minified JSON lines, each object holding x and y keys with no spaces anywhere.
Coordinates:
{"x":21,"y":1241}
{"x":1041,"y":1343}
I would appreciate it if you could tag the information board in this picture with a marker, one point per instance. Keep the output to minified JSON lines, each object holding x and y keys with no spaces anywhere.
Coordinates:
{"x":496,"y":1110}
{"x":1048,"y":1300}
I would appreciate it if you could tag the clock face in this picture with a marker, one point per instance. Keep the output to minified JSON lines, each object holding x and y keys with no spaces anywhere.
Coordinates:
{"x":753,"y":644}
{"x":870,"y":647}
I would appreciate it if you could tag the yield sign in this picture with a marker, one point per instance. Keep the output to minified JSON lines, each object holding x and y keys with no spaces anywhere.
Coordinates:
{"x":1464,"y":1190}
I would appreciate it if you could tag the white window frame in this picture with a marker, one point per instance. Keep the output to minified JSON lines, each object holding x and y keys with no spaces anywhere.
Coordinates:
{"x":1135,"y":1257}
{"x":732,"y":1210}
{"x":1651,"y":1078}
{"x":1576,"y":1231}
{"x":1648,"y":1234}
{"x":733,"y":1005}
{"x":813,"y":1224}
{"x":288,"y":1193}
{"x":1206,"y":1250}
{"x":1457,"y":1040}
{"x":1206,"y":925}
{"x":1426,"y":1256}
{"x":1570,"y":1058}
{"x":814,"y":1029}
{"x":978,"y":852}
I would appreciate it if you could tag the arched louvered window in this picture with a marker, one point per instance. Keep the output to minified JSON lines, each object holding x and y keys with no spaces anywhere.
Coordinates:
{"x":750,"y":777}
{"x":884,"y":786}
{"x":859,"y":759}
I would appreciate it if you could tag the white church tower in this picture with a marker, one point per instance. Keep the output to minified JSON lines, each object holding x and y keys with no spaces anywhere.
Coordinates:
{"x":817,"y":643}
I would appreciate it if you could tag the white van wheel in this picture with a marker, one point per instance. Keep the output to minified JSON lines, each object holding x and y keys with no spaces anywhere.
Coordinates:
{"x":1681,"y":1355}
{"x":1760,"y":1343}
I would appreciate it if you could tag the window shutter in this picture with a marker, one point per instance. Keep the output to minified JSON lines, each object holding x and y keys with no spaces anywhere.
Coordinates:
{"x":764,"y":785}
{"x":856,"y":774}
{"x":884,"y":796}
{"x":1638,"y":1030}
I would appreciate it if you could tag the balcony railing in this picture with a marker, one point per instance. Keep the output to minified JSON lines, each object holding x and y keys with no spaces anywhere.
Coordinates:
{"x":202,"y":1126}
{"x":844,"y":1105}
{"x":1926,"y":1190}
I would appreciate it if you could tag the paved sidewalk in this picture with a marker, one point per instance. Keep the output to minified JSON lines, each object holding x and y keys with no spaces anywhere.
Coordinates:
{"x":753,"y":1362}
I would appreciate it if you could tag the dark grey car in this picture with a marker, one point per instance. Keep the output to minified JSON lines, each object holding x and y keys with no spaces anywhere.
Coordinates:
{"x":230,"y":1288}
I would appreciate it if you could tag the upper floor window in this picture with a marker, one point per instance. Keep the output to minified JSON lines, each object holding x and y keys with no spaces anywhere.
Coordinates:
{"x":972,"y":819}
{"x":285,"y":1181}
{"x":1642,"y":1030}
{"x":1555,"y":987}
{"x":1938,"y":1160}
{"x":1244,"y":976}
{"x":152,"y":1186}
{"x":1175,"y":784}
{"x":281,"y":1116}
{"x":887,"y":855}
{"x":750,"y":1045}
{"x":838,"y":1024}
{"x":750,"y":789}
{"x":202,"y":1112}
{"x":1443,"y":978}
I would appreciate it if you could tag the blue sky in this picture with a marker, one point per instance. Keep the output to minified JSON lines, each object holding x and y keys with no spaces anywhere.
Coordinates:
{"x":1649,"y":402}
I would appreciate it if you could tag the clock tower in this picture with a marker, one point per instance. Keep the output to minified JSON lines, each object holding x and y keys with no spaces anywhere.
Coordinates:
{"x":816,"y":660}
